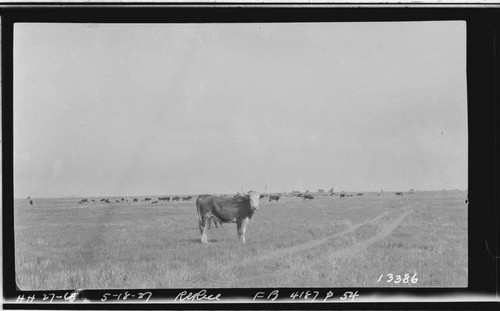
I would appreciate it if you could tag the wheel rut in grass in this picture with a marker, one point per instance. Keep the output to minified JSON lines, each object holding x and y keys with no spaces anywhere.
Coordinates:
{"x":358,"y":247}
{"x":90,"y":248}
{"x":319,"y":242}
{"x":343,"y":253}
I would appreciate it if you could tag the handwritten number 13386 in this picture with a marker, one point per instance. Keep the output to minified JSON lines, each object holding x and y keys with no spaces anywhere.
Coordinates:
{"x":397,"y":278}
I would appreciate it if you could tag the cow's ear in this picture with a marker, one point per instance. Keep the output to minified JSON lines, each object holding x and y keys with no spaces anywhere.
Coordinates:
{"x":261,"y":196}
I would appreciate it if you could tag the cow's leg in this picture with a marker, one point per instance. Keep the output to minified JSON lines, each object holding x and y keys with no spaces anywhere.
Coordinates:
{"x":242,"y":228}
{"x":203,"y":229}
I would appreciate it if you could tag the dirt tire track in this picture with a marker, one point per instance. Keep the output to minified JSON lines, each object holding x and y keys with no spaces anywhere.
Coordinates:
{"x":358,"y":247}
{"x":97,"y":239}
{"x":319,"y":242}
{"x":348,"y":252}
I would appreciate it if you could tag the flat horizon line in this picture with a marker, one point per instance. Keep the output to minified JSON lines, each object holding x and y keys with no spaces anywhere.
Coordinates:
{"x":191,"y":194}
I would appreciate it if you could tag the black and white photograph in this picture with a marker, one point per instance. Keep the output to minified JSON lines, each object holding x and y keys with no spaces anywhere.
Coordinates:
{"x":240,"y":155}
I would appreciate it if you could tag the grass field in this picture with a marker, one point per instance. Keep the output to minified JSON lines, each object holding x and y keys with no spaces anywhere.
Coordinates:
{"x":326,"y":242}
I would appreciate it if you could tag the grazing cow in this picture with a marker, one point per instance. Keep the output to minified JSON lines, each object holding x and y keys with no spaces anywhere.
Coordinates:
{"x":154,"y":202}
{"x":107,"y":201}
{"x":342,"y":195}
{"x":308,"y":196}
{"x":239,"y":209}
{"x":102,"y":200}
{"x":31,"y":202}
{"x":274,"y":197}
{"x":147,"y":199}
{"x":399,"y":193}
{"x":358,"y":194}
{"x":135,"y":200}
{"x":176,"y":198}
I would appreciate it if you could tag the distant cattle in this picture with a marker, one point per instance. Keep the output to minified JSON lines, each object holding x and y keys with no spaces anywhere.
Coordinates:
{"x":164,"y":199}
{"x":359,"y":194}
{"x":342,"y":195}
{"x":274,"y":197}
{"x":187,"y":198}
{"x":107,"y":201}
{"x":154,"y":202}
{"x":135,"y":200}
{"x":83,"y":201}
{"x":218,"y":210}
{"x":176,"y":198}
{"x":31,"y":202}
{"x":308,"y":197}
{"x":147,"y":199}
{"x":399,"y":193}
{"x":117,"y":201}
{"x":102,"y":200}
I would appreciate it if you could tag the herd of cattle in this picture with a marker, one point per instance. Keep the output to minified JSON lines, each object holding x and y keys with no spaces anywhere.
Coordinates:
{"x":135,"y":200}
{"x":272,"y":197}
{"x":219,"y":209}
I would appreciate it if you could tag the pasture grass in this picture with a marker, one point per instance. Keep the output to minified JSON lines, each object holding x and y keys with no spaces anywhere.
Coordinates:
{"x":326,"y":242}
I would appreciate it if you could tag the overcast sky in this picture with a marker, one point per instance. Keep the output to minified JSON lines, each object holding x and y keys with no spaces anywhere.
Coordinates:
{"x":144,"y":109}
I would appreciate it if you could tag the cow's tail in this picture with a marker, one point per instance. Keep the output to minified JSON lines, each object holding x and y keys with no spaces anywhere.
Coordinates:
{"x":198,"y":211}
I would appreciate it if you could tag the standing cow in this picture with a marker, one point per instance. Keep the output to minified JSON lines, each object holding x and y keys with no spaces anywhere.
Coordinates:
{"x":239,"y":209}
{"x":275,"y":197}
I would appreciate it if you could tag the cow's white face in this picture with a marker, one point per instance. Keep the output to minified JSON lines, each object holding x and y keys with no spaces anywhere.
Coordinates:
{"x":254,"y":198}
